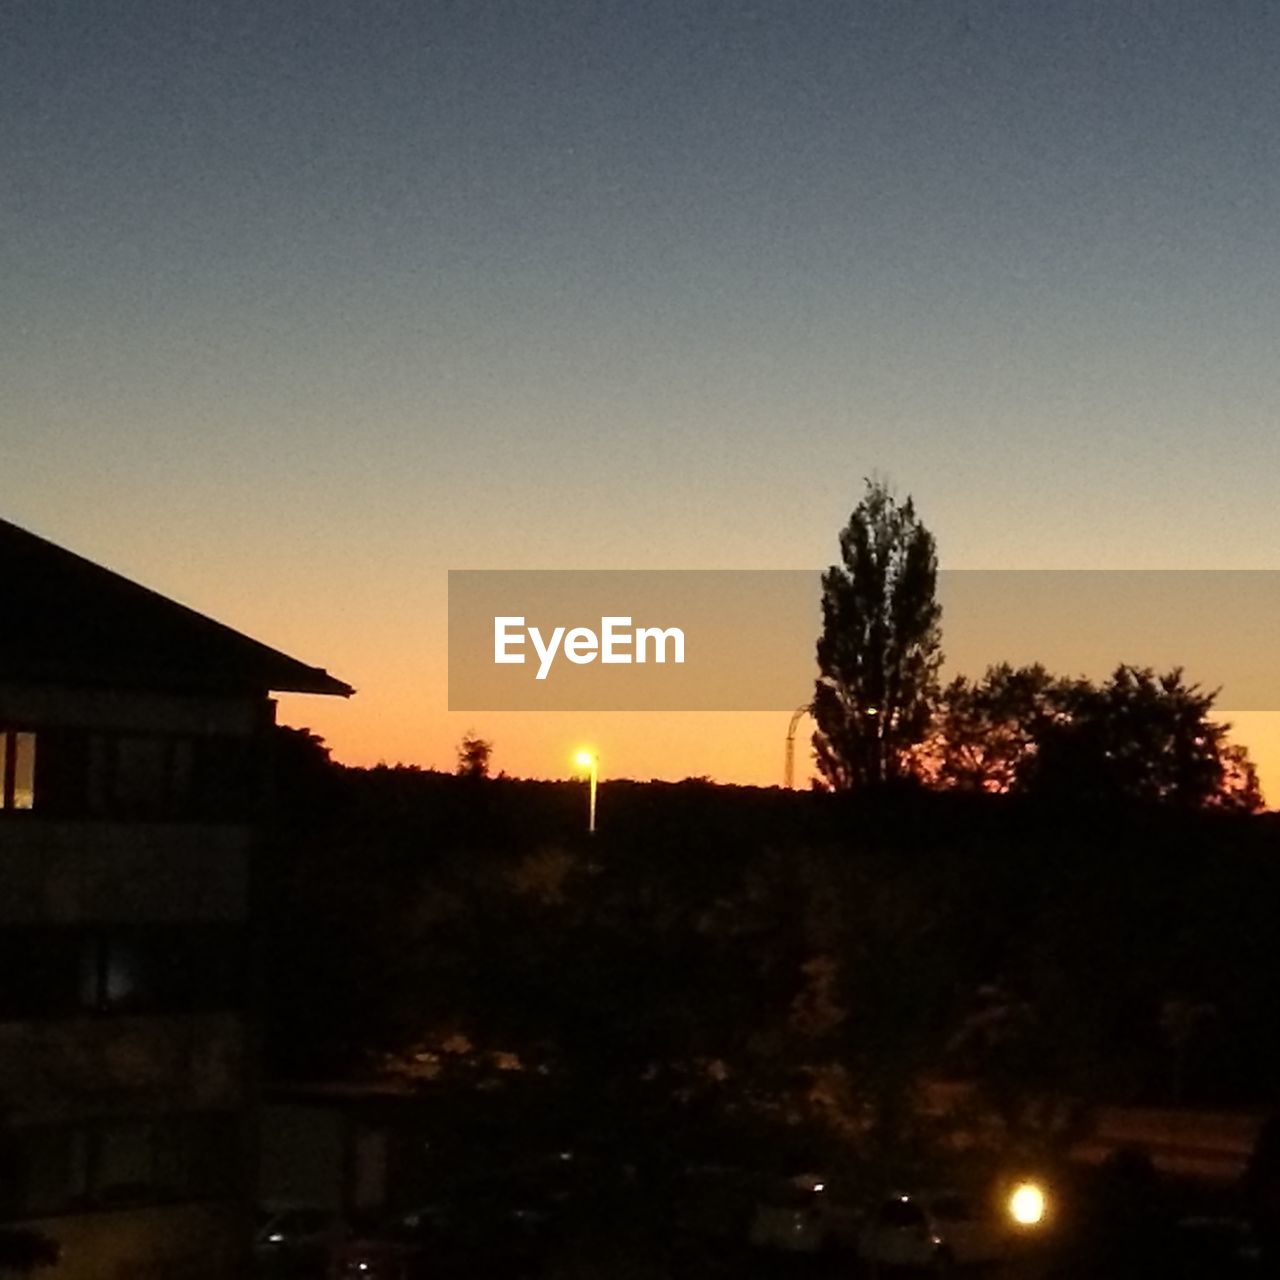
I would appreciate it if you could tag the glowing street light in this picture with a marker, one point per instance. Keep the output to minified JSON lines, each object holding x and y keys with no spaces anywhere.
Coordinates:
{"x":591,"y":762}
{"x":1027,"y":1205}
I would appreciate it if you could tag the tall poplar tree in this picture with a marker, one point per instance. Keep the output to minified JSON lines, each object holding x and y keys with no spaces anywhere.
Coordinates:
{"x":880,"y":648}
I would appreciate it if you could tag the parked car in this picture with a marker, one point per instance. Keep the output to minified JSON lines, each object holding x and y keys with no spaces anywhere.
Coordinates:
{"x":296,"y":1239}
{"x":789,"y":1219}
{"x":935,"y":1230}
{"x":491,"y":1228}
{"x":805,"y":1214}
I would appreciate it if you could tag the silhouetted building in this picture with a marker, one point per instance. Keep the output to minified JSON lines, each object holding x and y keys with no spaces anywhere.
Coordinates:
{"x":134,"y":740}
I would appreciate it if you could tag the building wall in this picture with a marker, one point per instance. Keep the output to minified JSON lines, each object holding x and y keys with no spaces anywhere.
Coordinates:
{"x":127,"y":1087}
{"x":146,"y":872}
{"x":304,"y":1156}
{"x":83,"y":1068}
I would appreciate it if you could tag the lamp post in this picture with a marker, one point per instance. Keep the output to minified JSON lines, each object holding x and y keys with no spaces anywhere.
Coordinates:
{"x":789,"y":762}
{"x":591,"y":762}
{"x":789,"y":766}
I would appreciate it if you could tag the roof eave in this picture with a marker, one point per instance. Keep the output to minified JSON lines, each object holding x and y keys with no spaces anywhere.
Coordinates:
{"x":315,"y":680}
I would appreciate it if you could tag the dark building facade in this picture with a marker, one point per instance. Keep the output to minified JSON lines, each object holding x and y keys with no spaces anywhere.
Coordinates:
{"x":134,"y":759}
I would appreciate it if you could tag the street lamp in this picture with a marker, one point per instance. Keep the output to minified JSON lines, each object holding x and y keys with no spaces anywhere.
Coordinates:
{"x":789,"y":764}
{"x":1027,"y":1204}
{"x":789,"y":760}
{"x":591,"y":762}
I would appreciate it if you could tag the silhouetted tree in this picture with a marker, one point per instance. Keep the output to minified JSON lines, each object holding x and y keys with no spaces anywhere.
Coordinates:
{"x":302,"y":771}
{"x":1142,"y":737}
{"x":474,"y":754}
{"x":879,"y":652}
{"x":987,"y":730}
{"x":1137,"y":737}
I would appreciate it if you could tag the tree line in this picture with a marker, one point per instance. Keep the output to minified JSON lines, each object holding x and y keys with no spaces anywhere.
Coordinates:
{"x":750,"y":973}
{"x":884,"y":716}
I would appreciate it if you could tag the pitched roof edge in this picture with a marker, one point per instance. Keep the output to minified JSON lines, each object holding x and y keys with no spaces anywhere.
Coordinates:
{"x":278,"y":672}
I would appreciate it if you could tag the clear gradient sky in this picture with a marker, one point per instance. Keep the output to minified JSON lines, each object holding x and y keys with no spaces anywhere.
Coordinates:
{"x":303,"y":303}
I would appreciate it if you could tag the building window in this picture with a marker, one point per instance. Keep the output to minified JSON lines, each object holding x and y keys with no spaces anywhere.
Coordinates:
{"x":138,"y":777}
{"x":52,"y":972}
{"x":119,"y":1163}
{"x":134,"y":775}
{"x":114,"y":975}
{"x":123,"y":1165}
{"x":18,"y":769}
{"x":43,"y":1170}
{"x":38,"y":972}
{"x":163,"y":969}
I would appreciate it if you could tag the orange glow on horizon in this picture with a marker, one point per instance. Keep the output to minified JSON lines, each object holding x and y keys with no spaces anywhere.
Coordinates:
{"x":744,"y":748}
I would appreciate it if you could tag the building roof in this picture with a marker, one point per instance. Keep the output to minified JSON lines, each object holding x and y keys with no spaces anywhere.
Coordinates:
{"x":64,"y":619}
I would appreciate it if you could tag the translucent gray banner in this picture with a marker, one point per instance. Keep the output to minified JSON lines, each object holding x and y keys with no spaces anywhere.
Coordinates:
{"x":606,"y":640}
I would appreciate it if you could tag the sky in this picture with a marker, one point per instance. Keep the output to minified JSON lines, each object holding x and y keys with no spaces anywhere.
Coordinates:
{"x":304,"y":303}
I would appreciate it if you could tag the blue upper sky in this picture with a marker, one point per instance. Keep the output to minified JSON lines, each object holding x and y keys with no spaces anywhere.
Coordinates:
{"x":342,"y":294}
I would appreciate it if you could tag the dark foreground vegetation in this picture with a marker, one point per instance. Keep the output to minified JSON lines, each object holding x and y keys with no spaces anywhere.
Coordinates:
{"x":722,"y":967}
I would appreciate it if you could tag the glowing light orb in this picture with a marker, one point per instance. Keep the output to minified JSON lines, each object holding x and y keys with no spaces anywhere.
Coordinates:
{"x":1027,"y":1204}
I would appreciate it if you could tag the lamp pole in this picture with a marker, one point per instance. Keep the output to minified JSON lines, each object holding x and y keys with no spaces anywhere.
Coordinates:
{"x":591,"y":762}
{"x":789,"y":766}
